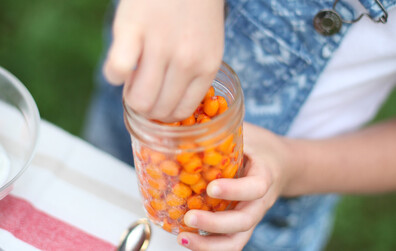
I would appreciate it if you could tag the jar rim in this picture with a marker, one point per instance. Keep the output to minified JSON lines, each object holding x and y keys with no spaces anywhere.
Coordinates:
{"x":196,"y":128}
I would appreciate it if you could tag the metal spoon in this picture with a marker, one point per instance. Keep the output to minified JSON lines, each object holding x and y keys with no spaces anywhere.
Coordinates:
{"x":136,"y":237}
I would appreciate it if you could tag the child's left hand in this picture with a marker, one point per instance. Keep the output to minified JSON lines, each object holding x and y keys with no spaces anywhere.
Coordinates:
{"x":266,"y":173}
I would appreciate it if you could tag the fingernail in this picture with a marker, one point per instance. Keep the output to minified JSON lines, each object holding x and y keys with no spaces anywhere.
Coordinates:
{"x":184,"y":242}
{"x":190,"y":220}
{"x":214,"y":191}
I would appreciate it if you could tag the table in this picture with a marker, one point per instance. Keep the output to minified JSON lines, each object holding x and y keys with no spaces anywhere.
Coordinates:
{"x":73,"y":197}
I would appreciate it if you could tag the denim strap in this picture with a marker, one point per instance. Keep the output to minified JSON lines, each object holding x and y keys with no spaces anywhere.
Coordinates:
{"x":374,"y":9}
{"x":273,"y":47}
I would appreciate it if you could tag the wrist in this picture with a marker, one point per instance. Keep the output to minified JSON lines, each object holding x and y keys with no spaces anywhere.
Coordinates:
{"x":294,"y":168}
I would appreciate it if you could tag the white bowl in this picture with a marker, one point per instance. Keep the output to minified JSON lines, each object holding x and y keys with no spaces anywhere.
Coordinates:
{"x":19,"y":129}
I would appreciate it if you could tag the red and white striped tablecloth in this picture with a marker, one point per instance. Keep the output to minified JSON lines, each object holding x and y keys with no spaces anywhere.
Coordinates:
{"x":73,"y":197}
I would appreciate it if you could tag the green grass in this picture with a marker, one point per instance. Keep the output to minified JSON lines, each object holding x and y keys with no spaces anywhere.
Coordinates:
{"x":365,"y":223}
{"x":54,"y":48}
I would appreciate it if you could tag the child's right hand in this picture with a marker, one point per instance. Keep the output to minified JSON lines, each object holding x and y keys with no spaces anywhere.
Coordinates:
{"x":167,"y":52}
{"x":268,"y":171}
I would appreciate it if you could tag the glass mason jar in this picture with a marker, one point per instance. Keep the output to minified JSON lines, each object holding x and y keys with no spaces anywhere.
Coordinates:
{"x":175,"y":164}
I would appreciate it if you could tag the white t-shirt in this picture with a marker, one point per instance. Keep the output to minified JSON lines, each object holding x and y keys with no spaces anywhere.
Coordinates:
{"x":357,"y":80}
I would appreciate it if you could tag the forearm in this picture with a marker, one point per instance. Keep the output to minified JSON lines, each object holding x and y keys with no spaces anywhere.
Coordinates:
{"x":360,"y":162}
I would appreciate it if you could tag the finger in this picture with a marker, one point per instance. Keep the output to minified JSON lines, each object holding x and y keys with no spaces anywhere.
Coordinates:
{"x":145,"y":87}
{"x":192,"y":97}
{"x":173,"y":88}
{"x":223,"y":222}
{"x":122,"y":58}
{"x":245,"y":215}
{"x":126,"y":47}
{"x":241,"y":189}
{"x":214,"y":242}
{"x":128,"y":84}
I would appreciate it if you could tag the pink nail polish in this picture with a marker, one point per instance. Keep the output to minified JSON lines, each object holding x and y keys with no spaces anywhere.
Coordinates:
{"x":184,"y":241}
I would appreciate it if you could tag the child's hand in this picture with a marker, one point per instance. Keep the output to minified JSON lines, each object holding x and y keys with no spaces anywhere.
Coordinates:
{"x":265,"y":176}
{"x":167,"y":52}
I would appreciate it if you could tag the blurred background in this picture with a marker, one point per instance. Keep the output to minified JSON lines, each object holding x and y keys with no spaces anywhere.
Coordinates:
{"x":54,"y":48}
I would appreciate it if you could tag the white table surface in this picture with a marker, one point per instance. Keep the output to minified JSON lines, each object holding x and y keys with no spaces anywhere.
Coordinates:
{"x":78,"y":184}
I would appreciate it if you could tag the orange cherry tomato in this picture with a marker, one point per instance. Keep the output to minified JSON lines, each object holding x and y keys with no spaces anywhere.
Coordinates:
{"x":182,"y":190}
{"x":211,"y":106}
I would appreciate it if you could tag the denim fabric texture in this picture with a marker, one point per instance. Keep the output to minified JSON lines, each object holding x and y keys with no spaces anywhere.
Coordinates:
{"x":374,"y":9}
{"x":278,"y":55}
{"x":276,"y":52}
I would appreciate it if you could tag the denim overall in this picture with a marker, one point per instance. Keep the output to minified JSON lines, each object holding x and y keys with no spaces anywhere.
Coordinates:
{"x":278,"y":56}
